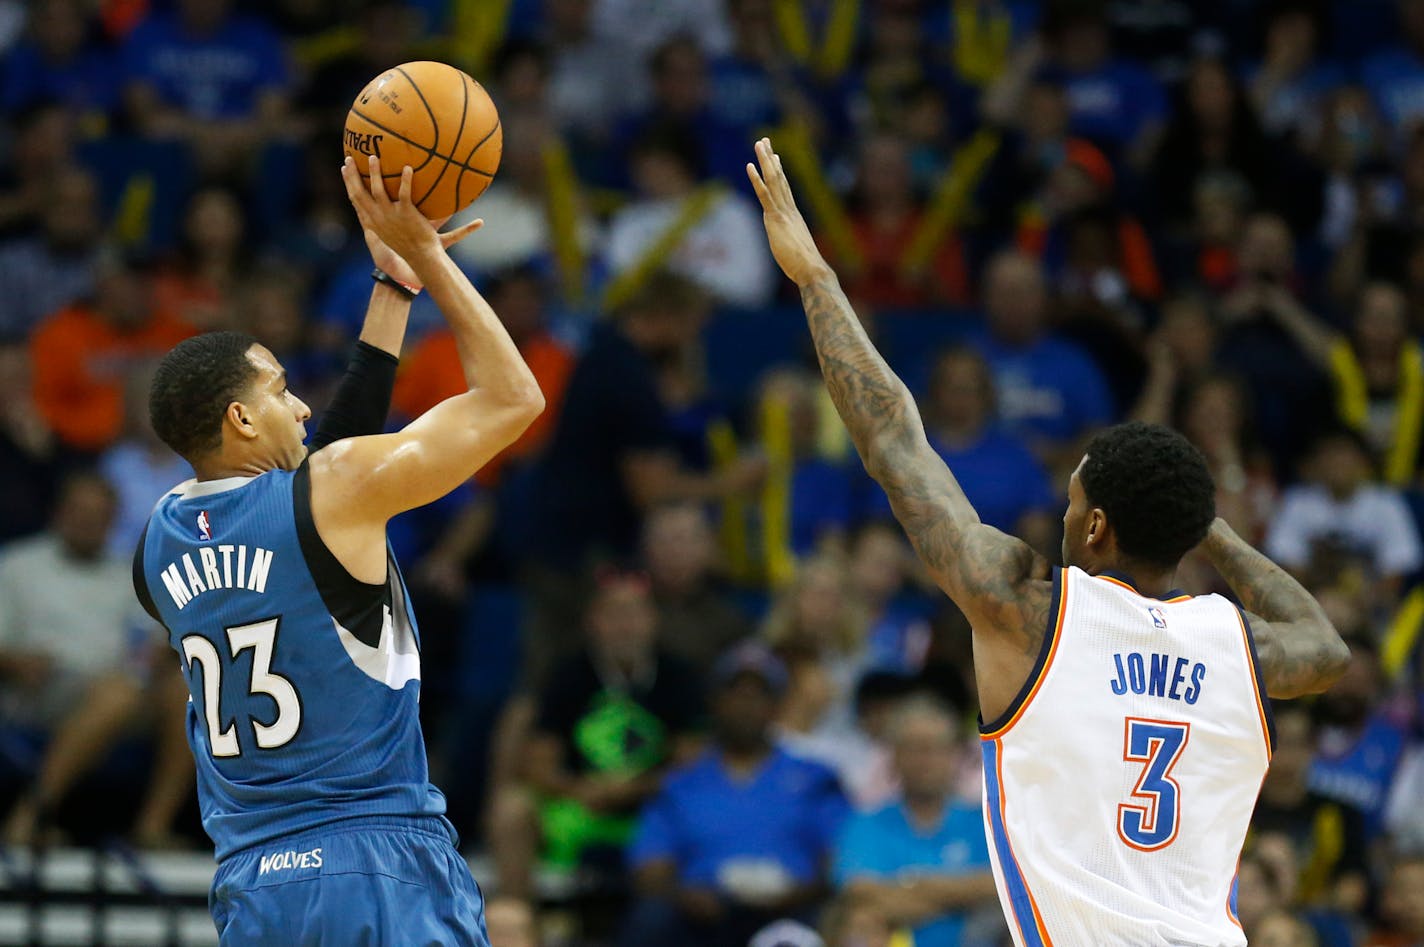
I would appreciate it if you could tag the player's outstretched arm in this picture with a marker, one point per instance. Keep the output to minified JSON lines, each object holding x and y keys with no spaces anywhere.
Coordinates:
{"x":1300,"y":650}
{"x":367,"y":480}
{"x":363,"y":398}
{"x":993,"y":577}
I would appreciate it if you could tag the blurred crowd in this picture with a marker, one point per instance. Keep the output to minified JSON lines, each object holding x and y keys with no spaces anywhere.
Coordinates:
{"x":683,"y":681}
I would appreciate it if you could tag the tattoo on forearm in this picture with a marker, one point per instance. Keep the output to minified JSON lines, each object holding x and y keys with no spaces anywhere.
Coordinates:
{"x":1299,"y":649}
{"x":982,"y":569}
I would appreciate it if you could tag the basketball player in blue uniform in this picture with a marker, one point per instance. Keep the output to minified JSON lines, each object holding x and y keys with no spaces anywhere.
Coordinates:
{"x":1126,"y":727}
{"x":272,"y":574}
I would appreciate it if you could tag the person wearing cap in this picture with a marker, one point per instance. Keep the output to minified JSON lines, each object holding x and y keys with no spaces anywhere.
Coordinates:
{"x":741,"y":836}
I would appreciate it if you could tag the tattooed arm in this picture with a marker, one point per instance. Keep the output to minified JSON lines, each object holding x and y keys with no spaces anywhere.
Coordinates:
{"x":997,"y":580}
{"x":1300,"y":650}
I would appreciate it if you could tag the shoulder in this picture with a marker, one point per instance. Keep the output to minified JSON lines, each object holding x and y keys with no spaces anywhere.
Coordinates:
{"x":20,"y":553}
{"x":806,"y":773}
{"x":691,"y":775}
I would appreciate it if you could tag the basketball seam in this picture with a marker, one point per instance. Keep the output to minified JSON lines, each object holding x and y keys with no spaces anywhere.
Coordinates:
{"x":459,"y":132}
{"x":429,"y":152}
{"x":478,"y":145}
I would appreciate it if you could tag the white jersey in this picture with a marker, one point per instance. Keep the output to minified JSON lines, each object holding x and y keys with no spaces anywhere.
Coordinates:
{"x":1119,"y":784}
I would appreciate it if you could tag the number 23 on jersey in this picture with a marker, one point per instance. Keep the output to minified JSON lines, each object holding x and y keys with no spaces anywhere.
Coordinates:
{"x":261,"y":637}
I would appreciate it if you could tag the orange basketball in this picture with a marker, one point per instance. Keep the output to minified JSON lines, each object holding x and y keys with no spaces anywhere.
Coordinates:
{"x":436,"y":119}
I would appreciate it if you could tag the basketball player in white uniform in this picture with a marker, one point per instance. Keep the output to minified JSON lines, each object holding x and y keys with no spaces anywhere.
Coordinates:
{"x":1127,"y":726}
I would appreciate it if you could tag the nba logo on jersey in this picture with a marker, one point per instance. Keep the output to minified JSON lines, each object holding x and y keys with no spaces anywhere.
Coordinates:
{"x":205,"y":526}
{"x":1158,"y":619}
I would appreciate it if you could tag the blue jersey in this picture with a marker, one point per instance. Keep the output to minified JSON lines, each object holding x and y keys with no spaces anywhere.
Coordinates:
{"x":304,"y":683}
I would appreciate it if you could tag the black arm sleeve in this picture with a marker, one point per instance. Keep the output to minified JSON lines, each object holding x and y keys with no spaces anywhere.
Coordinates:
{"x":362,"y":400}
{"x":140,"y":583}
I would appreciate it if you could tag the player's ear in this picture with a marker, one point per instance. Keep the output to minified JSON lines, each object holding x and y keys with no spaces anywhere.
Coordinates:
{"x":1097,"y":526}
{"x":239,"y":418}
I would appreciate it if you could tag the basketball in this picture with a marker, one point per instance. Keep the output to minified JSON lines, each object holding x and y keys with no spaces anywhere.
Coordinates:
{"x":436,"y":119}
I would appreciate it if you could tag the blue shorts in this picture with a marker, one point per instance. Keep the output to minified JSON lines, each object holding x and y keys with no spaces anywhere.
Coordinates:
{"x":356,"y":883}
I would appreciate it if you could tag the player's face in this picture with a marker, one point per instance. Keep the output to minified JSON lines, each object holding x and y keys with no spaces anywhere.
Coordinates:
{"x":278,"y":415}
{"x":1073,"y":519}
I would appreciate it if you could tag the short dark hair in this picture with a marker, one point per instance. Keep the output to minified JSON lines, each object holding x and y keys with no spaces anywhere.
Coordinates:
{"x":1155,"y":488}
{"x":192,"y":387}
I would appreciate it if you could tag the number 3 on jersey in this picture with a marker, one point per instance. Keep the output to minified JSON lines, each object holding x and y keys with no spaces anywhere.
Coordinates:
{"x":260,"y":637}
{"x":1149,"y":822}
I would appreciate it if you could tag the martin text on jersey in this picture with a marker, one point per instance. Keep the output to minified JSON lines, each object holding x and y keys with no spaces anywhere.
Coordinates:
{"x":225,"y":566}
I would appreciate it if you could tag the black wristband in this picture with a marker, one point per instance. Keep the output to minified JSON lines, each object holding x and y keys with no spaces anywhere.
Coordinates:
{"x":381,"y":276}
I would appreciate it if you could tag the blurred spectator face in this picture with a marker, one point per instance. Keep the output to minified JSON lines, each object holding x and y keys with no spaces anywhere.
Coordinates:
{"x":213,"y":225}
{"x":1256,"y":892}
{"x":123,"y":295}
{"x":1188,"y":331}
{"x":58,"y":28}
{"x":877,"y":564}
{"x":962,"y":392}
{"x":1083,"y":44}
{"x":1220,"y":203}
{"x":1352,"y":128}
{"x":568,"y":17}
{"x":1045,"y":115}
{"x":666,"y":320}
{"x":623,"y":620}
{"x":71,"y":213}
{"x":752,"y":24}
{"x":45,"y":141}
{"x":680,"y":77}
{"x":924,"y":753}
{"x":660,"y":174}
{"x":16,"y":374}
{"x":1404,"y":896}
{"x":519,"y":300}
{"x":83,"y":515}
{"x":387,"y":32}
{"x":510,"y":922}
{"x":137,"y":423}
{"x":522,"y":79}
{"x":1382,"y":323}
{"x":1295,"y":747}
{"x":1411,"y":17}
{"x":1339,"y":464}
{"x":1071,"y":187}
{"x":860,"y":925}
{"x":1349,"y":700}
{"x":1210,"y":94}
{"x":1267,"y":250}
{"x":885,"y":174}
{"x":1290,"y":38}
{"x":274,"y":315}
{"x":1015,"y":299}
{"x":1214,"y":412}
{"x":202,"y":16}
{"x":525,"y":135}
{"x":1347,"y":612}
{"x":1282,"y":929}
{"x":820,"y":597}
{"x":896,"y":35}
{"x":926,"y":117}
{"x":743,"y":712}
{"x":678,"y":548}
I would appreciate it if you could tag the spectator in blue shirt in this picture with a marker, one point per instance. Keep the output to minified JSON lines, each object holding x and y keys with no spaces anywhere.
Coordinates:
{"x":1049,"y":392}
{"x":682,"y":98}
{"x":923,"y":861}
{"x":206,"y":75}
{"x":1116,"y":104}
{"x":1290,"y":83}
{"x":741,"y":836}
{"x":1395,"y":75}
{"x":1361,"y":743}
{"x":58,"y":63}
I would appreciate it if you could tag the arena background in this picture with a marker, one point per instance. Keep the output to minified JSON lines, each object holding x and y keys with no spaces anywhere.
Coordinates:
{"x":1050,"y":216}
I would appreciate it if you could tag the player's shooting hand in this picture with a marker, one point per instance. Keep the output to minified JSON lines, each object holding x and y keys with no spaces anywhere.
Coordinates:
{"x":791,"y":242}
{"x":396,"y":231}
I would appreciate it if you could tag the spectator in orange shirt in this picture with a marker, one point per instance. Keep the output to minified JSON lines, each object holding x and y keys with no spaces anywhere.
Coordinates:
{"x":82,"y":353}
{"x":432,"y":371}
{"x":885,"y":217}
